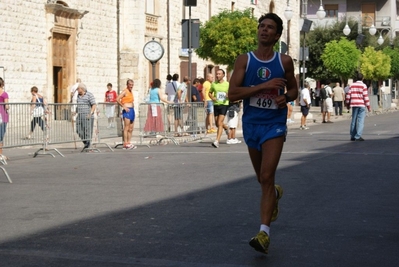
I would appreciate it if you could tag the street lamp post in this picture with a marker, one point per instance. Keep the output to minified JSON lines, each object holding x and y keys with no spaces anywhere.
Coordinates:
{"x":391,"y":34}
{"x":372,"y":28}
{"x":381,"y":39}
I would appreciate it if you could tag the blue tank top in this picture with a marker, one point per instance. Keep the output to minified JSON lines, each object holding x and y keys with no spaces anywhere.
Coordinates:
{"x":154,"y":95}
{"x":261,"y":108}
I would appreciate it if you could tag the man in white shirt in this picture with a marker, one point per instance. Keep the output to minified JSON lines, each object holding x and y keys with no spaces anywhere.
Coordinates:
{"x":327,"y":103}
{"x":305,"y":101}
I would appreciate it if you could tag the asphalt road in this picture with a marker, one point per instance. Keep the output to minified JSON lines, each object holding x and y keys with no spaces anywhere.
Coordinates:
{"x":194,"y":205}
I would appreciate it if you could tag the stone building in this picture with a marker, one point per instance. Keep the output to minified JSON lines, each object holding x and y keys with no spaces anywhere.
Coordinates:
{"x":51,"y":43}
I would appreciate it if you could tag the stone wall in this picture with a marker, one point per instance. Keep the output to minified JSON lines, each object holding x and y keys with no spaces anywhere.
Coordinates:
{"x":26,"y":37}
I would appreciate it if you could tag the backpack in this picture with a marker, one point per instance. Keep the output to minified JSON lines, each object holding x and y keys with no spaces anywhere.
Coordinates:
{"x":323,"y":93}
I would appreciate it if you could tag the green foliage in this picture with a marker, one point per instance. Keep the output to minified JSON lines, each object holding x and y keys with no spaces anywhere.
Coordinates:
{"x":316,"y":41}
{"x":375,"y":65}
{"x":394,"y":55}
{"x":226,"y":35}
{"x":341,"y":58}
{"x":321,"y":35}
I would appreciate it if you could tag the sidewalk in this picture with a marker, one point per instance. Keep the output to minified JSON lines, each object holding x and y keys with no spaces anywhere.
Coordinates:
{"x":315,"y":117}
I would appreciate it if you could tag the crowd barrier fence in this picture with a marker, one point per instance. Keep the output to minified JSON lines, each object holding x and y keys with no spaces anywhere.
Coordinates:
{"x":165,"y":123}
{"x":57,"y":124}
{"x":54,"y":124}
{"x":386,"y":100}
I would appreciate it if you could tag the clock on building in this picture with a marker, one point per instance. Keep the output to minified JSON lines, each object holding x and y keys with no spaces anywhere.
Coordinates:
{"x":153,"y":51}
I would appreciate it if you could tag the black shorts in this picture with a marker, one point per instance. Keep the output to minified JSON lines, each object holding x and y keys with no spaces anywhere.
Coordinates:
{"x":305,"y":110}
{"x":220,"y":110}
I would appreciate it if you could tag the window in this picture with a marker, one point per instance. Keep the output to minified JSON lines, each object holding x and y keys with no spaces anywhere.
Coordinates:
{"x":232,"y":6}
{"x":331,"y":11}
{"x":150,"y":7}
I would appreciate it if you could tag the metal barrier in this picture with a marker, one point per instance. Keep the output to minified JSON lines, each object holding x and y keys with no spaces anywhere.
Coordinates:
{"x":153,"y":123}
{"x":27,"y":126}
{"x":374,"y":103}
{"x":165,"y":123}
{"x":6,"y":174}
{"x":55,"y":124}
{"x":386,"y":100}
{"x":109,"y":122}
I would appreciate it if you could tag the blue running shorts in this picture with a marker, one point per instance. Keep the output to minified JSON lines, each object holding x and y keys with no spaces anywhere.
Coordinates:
{"x":209,"y":107}
{"x":129,"y":115}
{"x":256,"y":134}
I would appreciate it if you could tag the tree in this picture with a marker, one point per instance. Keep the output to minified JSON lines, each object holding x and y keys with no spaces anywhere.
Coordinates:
{"x":375,"y":65}
{"x":394,"y":55}
{"x":226,"y":35}
{"x":316,"y":41}
{"x":341,"y":58}
{"x":321,"y":35}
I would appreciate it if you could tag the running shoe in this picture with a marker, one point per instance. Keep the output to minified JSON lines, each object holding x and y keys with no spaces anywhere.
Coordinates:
{"x":215,"y":144}
{"x":279,"y":190}
{"x":231,"y":141}
{"x":237,"y":141}
{"x":260,"y":242}
{"x":130,"y":146}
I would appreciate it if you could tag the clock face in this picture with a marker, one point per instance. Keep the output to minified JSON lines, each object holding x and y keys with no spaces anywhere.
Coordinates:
{"x":153,"y":51}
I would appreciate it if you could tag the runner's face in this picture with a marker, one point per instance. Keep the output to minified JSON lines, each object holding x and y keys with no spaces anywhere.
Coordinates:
{"x":267,"y":32}
{"x":130,"y":85}
{"x":219,"y":75}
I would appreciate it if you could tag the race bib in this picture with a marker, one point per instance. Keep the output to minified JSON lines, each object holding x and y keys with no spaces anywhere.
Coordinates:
{"x":221,"y":96}
{"x":264,"y":100}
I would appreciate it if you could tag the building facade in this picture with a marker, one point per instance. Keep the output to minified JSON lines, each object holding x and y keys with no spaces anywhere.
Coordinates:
{"x":49,"y":44}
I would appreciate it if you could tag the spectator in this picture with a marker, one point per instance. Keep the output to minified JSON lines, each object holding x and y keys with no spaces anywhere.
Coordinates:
{"x":290,"y":107}
{"x":305,"y":101}
{"x":232,"y":122}
{"x":200,"y":87}
{"x":317,"y":98}
{"x":326,"y":95}
{"x":197,"y":103}
{"x":86,"y":106}
{"x":37,"y":110}
{"x":339,"y":97}
{"x":154,"y":122}
{"x":195,"y":94}
{"x":3,"y":115}
{"x":208,"y":104}
{"x":126,"y":101}
{"x":168,"y":79}
{"x":357,"y":99}
{"x":170,"y":91}
{"x":110,"y":100}
{"x":179,"y":103}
